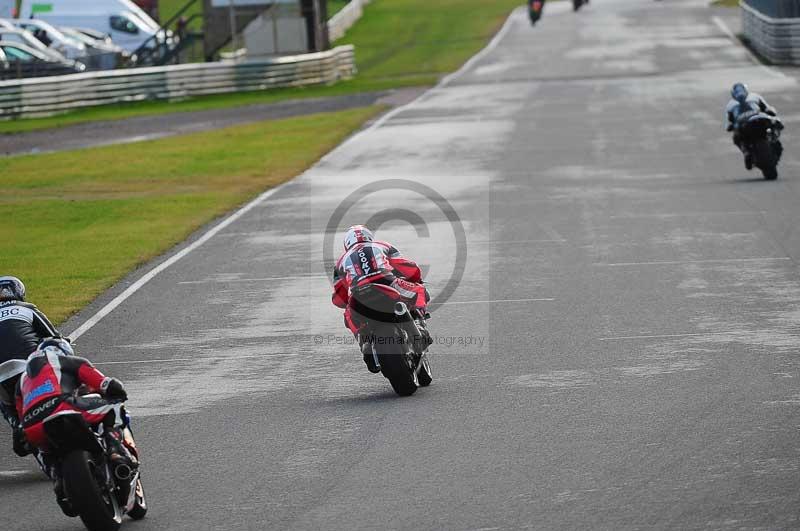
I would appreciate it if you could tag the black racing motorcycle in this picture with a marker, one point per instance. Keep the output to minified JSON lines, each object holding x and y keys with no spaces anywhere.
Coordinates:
{"x":535,"y":8}
{"x":398,"y":336}
{"x":759,"y":134}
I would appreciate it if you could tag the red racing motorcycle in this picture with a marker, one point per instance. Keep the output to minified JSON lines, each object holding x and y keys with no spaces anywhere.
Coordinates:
{"x":398,"y":336}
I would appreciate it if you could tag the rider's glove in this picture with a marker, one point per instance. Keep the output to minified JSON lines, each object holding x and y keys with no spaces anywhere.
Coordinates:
{"x":114,"y":390}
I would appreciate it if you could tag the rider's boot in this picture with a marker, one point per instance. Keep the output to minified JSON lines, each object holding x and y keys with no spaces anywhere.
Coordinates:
{"x":748,"y":161}
{"x":369,"y":358}
{"x":21,"y":445}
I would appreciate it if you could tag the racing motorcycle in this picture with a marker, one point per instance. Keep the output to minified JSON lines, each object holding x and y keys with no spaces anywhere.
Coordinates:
{"x":93,"y":488}
{"x":760,"y":136}
{"x":535,"y":8}
{"x":398,"y":335}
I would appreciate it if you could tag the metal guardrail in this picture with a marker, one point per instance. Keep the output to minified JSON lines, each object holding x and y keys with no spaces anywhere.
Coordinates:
{"x":776,"y":8}
{"x":344,"y":19}
{"x":777,"y":39}
{"x":52,"y":95}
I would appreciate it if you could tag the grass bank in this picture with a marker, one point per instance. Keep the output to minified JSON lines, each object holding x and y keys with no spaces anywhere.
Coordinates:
{"x":399,"y":43}
{"x":76,"y":222}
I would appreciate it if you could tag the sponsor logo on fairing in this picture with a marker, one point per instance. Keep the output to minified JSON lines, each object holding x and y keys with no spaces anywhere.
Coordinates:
{"x":40,"y":411}
{"x":43,"y":389}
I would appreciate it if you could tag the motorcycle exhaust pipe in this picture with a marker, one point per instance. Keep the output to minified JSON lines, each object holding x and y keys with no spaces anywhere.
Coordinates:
{"x":123,"y":472}
{"x":400,"y":309}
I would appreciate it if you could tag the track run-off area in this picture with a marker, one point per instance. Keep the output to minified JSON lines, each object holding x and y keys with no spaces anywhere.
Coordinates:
{"x":616,"y":347}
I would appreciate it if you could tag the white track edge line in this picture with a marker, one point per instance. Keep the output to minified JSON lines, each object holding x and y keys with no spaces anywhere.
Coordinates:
{"x":147,"y":277}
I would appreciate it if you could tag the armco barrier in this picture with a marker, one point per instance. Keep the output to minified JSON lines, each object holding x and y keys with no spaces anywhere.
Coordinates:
{"x":344,"y":19}
{"x":51,"y":95}
{"x":776,"y":38}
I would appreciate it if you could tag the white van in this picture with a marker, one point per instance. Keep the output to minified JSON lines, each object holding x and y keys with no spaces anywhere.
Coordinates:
{"x":7,"y":8}
{"x":126,"y":23}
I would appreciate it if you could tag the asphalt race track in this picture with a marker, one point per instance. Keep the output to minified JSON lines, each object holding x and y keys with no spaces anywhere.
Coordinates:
{"x":621,"y":351}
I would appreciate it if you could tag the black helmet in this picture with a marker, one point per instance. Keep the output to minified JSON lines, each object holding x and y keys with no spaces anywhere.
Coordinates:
{"x":739,"y":92}
{"x":11,"y":289}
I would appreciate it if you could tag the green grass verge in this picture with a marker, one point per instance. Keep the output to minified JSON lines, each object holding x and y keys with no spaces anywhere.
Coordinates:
{"x":725,"y":3}
{"x":76,"y":222}
{"x":168,"y":8}
{"x":334,"y":6}
{"x":399,"y":43}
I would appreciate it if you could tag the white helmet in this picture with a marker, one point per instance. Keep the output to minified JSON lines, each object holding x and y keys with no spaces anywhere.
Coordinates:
{"x":357,"y":234}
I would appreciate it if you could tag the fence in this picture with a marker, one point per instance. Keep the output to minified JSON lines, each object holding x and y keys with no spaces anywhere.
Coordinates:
{"x":775,"y":8}
{"x":52,"y":95}
{"x":344,"y":19}
{"x":772,"y":27}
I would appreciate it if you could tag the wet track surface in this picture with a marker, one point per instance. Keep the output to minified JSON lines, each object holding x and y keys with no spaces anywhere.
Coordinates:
{"x":621,"y":353}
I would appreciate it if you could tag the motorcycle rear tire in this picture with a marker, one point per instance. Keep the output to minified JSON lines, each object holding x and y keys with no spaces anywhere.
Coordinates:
{"x":394,"y":360}
{"x":766,"y":160}
{"x":99,"y":511}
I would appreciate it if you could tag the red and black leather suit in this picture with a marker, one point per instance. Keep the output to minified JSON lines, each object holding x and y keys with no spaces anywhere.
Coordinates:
{"x":48,"y":387}
{"x":379,"y":262}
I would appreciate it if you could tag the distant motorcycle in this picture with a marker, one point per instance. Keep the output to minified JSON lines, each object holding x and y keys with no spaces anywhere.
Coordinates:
{"x":760,"y":136}
{"x":535,"y":8}
{"x":398,"y":336}
{"x":576,"y":4}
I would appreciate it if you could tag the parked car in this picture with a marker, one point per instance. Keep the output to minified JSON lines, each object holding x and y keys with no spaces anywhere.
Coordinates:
{"x":22,"y":36}
{"x":101,"y":54}
{"x":52,"y":37}
{"x":21,"y":61}
{"x":96,"y":35}
{"x":127,"y":24}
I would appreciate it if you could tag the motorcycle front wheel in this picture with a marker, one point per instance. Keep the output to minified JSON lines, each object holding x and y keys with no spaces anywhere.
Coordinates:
{"x":96,"y":505}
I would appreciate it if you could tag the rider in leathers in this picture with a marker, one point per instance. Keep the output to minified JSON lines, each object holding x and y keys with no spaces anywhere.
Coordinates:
{"x":368,"y":261}
{"x":22,"y":328}
{"x":742,"y":102}
{"x":50,"y":386}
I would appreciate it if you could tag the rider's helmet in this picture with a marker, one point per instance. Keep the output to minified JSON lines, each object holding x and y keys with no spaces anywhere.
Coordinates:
{"x":11,"y":289}
{"x":357,"y":234}
{"x":57,"y":346}
{"x":739,"y":92}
